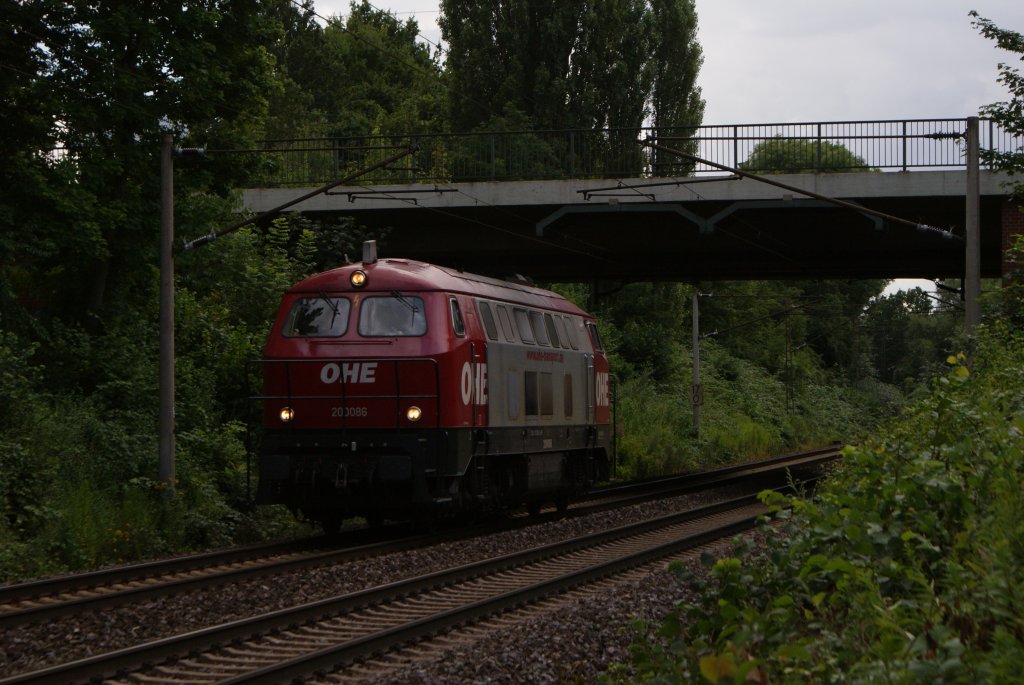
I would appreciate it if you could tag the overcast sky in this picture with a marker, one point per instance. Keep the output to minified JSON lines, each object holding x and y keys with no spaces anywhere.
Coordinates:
{"x":783,"y":61}
{"x":816,"y":60}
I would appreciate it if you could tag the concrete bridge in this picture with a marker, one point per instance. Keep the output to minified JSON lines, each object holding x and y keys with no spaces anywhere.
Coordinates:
{"x":539,"y":204}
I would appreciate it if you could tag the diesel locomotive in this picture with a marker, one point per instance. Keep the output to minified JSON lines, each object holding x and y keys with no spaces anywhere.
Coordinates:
{"x":396,"y":389}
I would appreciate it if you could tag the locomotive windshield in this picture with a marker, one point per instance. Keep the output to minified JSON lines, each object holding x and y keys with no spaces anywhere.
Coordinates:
{"x":318,"y":317}
{"x":397,"y":315}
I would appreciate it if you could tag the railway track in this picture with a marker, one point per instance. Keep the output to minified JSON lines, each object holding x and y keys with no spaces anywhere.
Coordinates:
{"x":321,"y":636}
{"x":50,"y":599}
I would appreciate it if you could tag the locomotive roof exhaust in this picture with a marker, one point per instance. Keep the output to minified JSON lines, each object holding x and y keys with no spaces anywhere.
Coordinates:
{"x":370,"y":252}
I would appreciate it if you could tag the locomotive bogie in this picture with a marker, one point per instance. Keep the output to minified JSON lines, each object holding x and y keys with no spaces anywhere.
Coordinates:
{"x":393,"y":387}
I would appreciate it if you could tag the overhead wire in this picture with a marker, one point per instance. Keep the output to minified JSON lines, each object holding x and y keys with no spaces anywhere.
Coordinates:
{"x":419,"y":34}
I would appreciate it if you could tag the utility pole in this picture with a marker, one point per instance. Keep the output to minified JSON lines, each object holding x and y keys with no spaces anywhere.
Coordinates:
{"x":166,"y":459}
{"x":696,"y":391}
{"x":972,"y":229}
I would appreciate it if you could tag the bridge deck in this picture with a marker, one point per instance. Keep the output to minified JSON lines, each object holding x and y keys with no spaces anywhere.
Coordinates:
{"x":642,"y":229}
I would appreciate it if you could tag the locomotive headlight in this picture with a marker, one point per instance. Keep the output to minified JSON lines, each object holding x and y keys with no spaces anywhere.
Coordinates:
{"x":287,"y":414}
{"x":413,"y":414}
{"x":358,"y":279}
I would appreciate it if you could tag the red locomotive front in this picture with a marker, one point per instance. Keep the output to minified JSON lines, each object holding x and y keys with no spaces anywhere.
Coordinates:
{"x":378,"y":387}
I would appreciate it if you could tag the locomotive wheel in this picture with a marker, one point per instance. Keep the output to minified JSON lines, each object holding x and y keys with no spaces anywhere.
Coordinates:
{"x":562,"y":503}
{"x":533,"y":507}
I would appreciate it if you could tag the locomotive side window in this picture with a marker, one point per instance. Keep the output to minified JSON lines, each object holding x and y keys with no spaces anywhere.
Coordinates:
{"x":567,"y":395}
{"x":457,"y":323}
{"x":394,"y":316}
{"x":549,"y":323}
{"x":523,"y":326}
{"x":547,"y":394}
{"x":537,"y":326}
{"x":538,"y":393}
{"x":570,"y":332}
{"x":506,"y":324}
{"x":595,"y":336}
{"x":488,"y":318}
{"x":317,"y":317}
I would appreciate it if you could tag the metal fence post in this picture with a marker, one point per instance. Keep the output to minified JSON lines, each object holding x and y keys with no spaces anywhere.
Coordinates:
{"x":414,"y":144}
{"x":904,"y":145}
{"x":817,"y":166}
{"x":572,"y":155}
{"x":493,"y":163}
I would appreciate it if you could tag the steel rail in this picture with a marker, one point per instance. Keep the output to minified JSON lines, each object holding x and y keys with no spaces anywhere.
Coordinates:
{"x":42,"y":600}
{"x":157,"y":578}
{"x":644,"y":490}
{"x":352,"y":651}
{"x":119,"y":662}
{"x":90,"y":580}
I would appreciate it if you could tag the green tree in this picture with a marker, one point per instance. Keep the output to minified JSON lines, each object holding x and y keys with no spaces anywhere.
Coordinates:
{"x":1010,"y":114}
{"x":581,"y":64}
{"x":676,"y":105}
{"x":119,"y":75}
{"x":509,"y":53}
{"x":367,"y":75}
{"x":781,"y":155}
{"x":834,"y":330}
{"x":101,"y":82}
{"x":909,"y":337}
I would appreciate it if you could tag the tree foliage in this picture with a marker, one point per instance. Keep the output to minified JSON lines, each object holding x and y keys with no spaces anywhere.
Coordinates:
{"x":1009,"y":114}
{"x":588,"y":64}
{"x":106,"y":80}
{"x":909,"y":336}
{"x":781,"y":155}
{"x":905,"y":568}
{"x":367,"y":74}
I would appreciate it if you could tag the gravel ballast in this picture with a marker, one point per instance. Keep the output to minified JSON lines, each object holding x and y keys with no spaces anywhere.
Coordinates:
{"x":580,"y":639}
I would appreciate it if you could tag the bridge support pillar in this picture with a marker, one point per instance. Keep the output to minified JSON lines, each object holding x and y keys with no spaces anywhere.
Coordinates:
{"x":1013,"y":225}
{"x":972,"y":230}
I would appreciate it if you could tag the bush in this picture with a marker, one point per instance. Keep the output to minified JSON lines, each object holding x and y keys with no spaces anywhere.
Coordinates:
{"x":905,"y":568}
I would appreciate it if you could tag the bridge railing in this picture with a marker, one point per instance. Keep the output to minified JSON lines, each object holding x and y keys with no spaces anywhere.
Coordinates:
{"x":899,"y":145}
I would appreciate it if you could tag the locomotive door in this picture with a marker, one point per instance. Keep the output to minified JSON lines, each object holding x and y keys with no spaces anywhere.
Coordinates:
{"x":588,"y":372}
{"x":475,"y":389}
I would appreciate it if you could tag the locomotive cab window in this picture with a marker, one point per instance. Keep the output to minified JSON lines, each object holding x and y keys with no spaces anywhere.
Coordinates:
{"x":458,"y":325}
{"x":317,"y":317}
{"x":595,"y":336}
{"x":488,"y":318}
{"x":396,"y":315}
{"x":565,"y":325}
